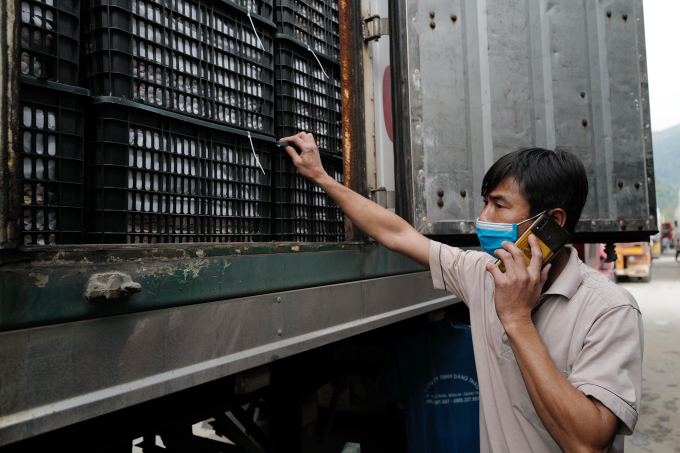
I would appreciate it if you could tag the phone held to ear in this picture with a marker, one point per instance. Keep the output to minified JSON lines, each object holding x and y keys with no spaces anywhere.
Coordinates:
{"x":551,"y":237}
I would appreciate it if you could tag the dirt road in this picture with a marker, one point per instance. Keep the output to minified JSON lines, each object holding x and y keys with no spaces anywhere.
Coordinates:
{"x":658,"y":429}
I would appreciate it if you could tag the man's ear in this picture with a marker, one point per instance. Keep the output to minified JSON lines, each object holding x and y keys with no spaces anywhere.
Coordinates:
{"x":559,"y":216}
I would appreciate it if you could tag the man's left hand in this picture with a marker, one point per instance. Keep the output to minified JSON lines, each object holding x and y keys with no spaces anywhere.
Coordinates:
{"x":519,"y":288}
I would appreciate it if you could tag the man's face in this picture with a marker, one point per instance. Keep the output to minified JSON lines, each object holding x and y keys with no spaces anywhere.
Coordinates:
{"x":505,"y":204}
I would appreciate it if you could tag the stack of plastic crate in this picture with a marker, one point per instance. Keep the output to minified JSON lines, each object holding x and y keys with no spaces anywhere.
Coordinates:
{"x":49,"y":33}
{"x":159,"y":177}
{"x":312,"y":22}
{"x":51,"y":123}
{"x":207,"y":59}
{"x":307,"y":99}
{"x":52,"y":148}
{"x":181,"y":133}
{"x":301,"y":211}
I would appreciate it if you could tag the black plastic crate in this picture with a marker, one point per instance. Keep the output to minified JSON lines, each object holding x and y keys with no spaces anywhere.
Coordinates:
{"x":51,"y":137}
{"x":312,"y":22}
{"x":301,"y":211}
{"x":201,"y":59}
{"x":264,"y":8}
{"x":50,"y":34}
{"x":160,"y":177}
{"x":306,"y":99}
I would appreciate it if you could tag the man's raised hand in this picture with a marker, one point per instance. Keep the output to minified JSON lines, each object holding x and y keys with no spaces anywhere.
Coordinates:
{"x":308,"y":162}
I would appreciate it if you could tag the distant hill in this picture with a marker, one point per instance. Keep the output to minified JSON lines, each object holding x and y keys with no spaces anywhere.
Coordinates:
{"x":666,"y":145}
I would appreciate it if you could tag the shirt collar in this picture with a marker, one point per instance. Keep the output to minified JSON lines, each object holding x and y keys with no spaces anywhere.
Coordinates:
{"x":570,"y":279}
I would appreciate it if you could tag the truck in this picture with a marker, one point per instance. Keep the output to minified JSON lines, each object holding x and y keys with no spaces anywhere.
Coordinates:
{"x":129,"y":314}
{"x":634,"y":260}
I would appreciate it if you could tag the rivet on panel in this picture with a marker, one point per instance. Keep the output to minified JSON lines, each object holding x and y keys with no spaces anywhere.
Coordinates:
{"x":454,"y":18}
{"x":609,"y":14}
{"x":280,"y":332}
{"x":593,"y":223}
{"x":278,"y":299}
{"x":640,"y":226}
{"x":432,"y":14}
{"x":440,"y":203}
{"x":625,"y":17}
{"x":424,"y":219}
{"x":429,"y":225}
{"x":463,"y":193}
{"x":620,"y":184}
{"x":416,"y":71}
{"x":440,"y":193}
{"x":585,"y":123}
{"x":583,"y":94}
{"x":432,"y":25}
{"x":421,"y":172}
{"x":637,"y":184}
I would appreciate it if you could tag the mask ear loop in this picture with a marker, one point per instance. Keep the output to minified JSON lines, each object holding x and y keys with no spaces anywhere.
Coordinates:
{"x":254,"y":153}
{"x":317,"y":60}
{"x":256,"y":35}
{"x":532,"y":218}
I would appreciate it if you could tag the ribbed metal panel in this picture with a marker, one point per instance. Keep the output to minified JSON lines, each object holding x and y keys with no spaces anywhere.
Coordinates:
{"x":488,"y":77}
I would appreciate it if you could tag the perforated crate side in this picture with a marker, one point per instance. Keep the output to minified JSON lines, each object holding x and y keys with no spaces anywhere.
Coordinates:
{"x":51,"y":136}
{"x":156,"y":178}
{"x":49,"y":34}
{"x":301,"y":211}
{"x":312,"y":22}
{"x":306,"y":100}
{"x":264,"y":8}
{"x":200,"y":59}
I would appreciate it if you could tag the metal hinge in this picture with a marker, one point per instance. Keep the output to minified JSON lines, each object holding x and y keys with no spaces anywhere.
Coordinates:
{"x":375,"y":27}
{"x":383,"y":197}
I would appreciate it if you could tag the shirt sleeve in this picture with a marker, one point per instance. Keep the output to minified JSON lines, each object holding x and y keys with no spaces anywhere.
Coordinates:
{"x":609,"y":367}
{"x":461,"y":272}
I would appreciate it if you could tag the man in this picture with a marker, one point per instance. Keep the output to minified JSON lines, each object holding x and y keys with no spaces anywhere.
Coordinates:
{"x":559,"y":349}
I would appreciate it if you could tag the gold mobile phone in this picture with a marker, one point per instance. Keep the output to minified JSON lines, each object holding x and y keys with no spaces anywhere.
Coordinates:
{"x":551,"y":237}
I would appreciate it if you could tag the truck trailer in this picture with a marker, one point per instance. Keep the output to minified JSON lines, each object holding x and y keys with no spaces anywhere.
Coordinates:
{"x":163,"y":264}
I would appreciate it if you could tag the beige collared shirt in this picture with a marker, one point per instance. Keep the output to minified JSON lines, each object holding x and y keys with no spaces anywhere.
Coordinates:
{"x":591,"y":327}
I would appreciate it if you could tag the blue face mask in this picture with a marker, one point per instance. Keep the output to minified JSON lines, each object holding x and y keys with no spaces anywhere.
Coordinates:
{"x":491,"y":235}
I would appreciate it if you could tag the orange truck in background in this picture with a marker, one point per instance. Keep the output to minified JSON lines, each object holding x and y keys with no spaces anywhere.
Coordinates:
{"x":634,"y":259}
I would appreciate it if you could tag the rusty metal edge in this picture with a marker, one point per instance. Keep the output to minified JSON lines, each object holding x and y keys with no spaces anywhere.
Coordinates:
{"x":10,"y":177}
{"x":353,"y":120}
{"x":403,"y":166}
{"x":646,"y":119}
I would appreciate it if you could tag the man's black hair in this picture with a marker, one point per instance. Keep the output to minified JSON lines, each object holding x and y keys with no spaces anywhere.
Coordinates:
{"x":547,"y":179}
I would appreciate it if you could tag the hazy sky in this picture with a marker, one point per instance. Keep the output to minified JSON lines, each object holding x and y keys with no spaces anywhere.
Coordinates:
{"x":662,"y":31}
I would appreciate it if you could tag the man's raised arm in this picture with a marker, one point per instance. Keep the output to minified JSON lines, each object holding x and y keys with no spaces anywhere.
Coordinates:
{"x":387,"y":228}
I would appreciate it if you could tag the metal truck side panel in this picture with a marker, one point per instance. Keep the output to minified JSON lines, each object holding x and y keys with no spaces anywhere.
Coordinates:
{"x":485,"y":78}
{"x":49,"y":284}
{"x":57,"y":375}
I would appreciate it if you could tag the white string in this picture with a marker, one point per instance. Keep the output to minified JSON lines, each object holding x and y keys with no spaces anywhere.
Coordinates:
{"x":254,"y":153}
{"x":317,"y":60}
{"x":256,"y":35}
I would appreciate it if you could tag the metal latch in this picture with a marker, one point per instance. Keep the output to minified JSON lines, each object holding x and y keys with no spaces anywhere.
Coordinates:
{"x":383,"y":197}
{"x":375,"y":27}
